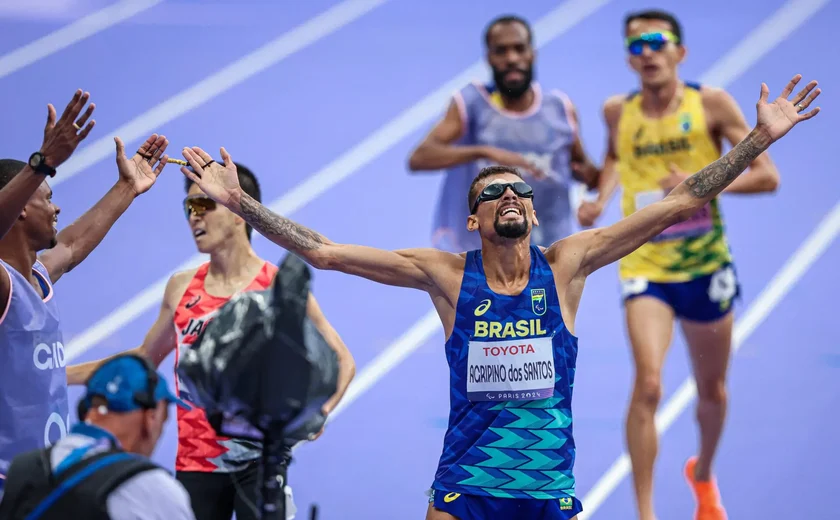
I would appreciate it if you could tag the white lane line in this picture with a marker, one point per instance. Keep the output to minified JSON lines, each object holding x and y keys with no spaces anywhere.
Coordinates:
{"x":77,"y":31}
{"x":217,"y":83}
{"x":547,"y":28}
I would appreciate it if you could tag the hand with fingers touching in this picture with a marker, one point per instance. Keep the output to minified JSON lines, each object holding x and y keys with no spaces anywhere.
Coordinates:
{"x":63,"y":136}
{"x":142,"y":170}
{"x":777,"y":118}
{"x":219,"y":181}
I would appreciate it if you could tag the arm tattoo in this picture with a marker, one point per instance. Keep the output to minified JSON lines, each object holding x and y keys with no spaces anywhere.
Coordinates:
{"x":289,"y":234}
{"x":712,"y":179}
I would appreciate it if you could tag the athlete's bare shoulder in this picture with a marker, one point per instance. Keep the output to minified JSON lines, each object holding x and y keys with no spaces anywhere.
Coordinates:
{"x":719,"y":105}
{"x":566,"y":256}
{"x":723,"y":113}
{"x":176,"y":286}
{"x":444,"y":268}
{"x":717,"y":99}
{"x":710,"y":94}
{"x":615,"y":101}
{"x":612,"y":109}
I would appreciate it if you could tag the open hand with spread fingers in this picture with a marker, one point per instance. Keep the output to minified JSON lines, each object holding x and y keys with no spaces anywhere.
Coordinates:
{"x":778,"y":117}
{"x":142,"y":170}
{"x":63,"y":136}
{"x":219,"y":181}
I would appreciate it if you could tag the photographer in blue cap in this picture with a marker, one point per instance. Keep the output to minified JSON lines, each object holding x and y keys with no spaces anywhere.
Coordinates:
{"x":102,"y":468}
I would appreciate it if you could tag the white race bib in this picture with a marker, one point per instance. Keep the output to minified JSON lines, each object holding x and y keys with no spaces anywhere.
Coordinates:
{"x":518,"y":369}
{"x":699,"y":224}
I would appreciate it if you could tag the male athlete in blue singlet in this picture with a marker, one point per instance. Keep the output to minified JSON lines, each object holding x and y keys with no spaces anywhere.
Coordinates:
{"x":508,"y":312}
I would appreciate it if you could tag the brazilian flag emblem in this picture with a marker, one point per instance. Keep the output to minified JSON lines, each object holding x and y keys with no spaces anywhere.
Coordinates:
{"x":538,"y":301}
{"x":565,"y":503}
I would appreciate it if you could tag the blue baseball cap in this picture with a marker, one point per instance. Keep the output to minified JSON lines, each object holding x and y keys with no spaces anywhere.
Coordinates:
{"x":125,"y":381}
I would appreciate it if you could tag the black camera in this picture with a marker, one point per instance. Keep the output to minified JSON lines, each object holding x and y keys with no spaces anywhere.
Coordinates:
{"x":262,"y":371}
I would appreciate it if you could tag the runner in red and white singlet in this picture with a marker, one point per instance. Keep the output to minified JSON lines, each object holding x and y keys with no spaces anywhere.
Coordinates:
{"x":199,"y":448}
{"x":221,"y":475}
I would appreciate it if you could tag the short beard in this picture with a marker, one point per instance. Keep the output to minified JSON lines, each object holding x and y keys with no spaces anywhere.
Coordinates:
{"x":515,"y":91}
{"x":511,"y":229}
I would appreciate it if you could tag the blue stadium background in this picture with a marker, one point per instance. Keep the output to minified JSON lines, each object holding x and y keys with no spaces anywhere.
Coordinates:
{"x":309,"y":115}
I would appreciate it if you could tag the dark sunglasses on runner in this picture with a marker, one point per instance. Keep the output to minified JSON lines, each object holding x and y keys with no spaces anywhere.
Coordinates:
{"x":495,"y":191}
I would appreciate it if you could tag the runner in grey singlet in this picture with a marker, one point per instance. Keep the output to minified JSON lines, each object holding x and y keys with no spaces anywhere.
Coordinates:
{"x":511,"y":121}
{"x":34,"y":410}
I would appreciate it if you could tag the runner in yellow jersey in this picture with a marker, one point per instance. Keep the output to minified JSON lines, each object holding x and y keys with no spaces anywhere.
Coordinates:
{"x":666,"y":128}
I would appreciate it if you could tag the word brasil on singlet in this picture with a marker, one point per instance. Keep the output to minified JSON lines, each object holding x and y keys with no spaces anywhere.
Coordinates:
{"x":520,"y":368}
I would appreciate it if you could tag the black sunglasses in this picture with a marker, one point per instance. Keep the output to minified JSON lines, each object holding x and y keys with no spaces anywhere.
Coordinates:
{"x":198,"y":205}
{"x":495,"y":191}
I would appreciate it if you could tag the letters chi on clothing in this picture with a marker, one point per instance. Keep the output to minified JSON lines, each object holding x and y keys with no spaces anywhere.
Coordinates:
{"x":512,"y":364}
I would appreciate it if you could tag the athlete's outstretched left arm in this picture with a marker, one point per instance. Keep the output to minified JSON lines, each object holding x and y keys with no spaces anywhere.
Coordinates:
{"x":762,"y":176}
{"x":346,"y":363}
{"x":583,"y":169}
{"x":79,"y":239}
{"x":421,"y":268}
{"x":600,"y":247}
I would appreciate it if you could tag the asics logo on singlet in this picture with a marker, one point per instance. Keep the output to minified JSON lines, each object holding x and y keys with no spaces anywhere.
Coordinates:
{"x":509,"y":329}
{"x":481,"y":309}
{"x":49,"y":357}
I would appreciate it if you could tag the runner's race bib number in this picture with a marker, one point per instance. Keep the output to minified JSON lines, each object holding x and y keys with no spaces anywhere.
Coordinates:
{"x":699,"y":224}
{"x":512,"y":370}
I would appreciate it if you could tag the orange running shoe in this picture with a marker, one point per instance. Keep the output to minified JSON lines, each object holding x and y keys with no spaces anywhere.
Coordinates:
{"x":706,"y":494}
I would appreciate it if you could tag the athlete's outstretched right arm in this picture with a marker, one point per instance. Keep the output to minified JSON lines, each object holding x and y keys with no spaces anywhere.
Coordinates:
{"x":60,"y":141}
{"x":597,"y":248}
{"x":412,"y":268}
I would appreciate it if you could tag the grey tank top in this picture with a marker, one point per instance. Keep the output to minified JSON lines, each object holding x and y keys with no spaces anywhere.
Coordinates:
{"x":34,"y":411}
{"x":545,"y":135}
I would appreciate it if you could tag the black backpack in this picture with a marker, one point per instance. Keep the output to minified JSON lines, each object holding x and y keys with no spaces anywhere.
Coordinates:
{"x":34,"y":492}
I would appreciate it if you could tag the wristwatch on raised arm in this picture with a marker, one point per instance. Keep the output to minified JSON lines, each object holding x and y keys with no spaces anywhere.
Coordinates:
{"x":38,"y":162}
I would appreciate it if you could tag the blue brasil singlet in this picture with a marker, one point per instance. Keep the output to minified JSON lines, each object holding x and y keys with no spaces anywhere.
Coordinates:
{"x":512,"y":367}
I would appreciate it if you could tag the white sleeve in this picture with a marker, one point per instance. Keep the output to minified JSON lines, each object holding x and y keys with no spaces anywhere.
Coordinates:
{"x":151,"y":495}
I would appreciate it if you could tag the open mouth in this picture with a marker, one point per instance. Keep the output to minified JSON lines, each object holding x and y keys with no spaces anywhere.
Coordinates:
{"x":199,"y":233}
{"x":510,"y":210}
